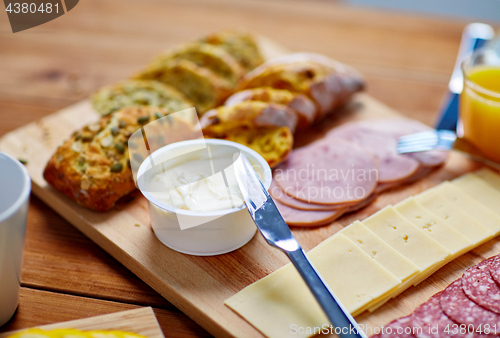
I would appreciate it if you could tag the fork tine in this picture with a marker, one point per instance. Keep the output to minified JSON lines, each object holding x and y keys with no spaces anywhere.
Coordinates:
{"x":414,"y":149}
{"x":425,"y":141}
{"x":416,"y":144}
{"x":424,"y":134}
{"x":419,"y":141}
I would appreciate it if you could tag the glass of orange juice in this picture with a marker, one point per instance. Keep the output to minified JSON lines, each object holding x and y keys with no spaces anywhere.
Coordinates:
{"x":480,"y":102}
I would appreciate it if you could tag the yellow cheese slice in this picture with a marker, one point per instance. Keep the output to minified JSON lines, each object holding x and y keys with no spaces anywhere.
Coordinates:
{"x":433,"y":226}
{"x":480,"y":190}
{"x":460,"y":221}
{"x":469,"y":206}
{"x":280,"y":304}
{"x":380,"y":251}
{"x":406,"y":238}
{"x":489,"y":176}
{"x":405,"y":285}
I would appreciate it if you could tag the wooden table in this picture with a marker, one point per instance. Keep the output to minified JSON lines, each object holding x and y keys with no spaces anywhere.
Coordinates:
{"x":407,"y":62}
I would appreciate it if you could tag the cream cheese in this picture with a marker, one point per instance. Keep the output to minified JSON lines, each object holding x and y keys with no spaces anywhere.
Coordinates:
{"x":195,"y":186}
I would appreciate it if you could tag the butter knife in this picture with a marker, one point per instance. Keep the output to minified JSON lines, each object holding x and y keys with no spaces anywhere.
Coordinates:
{"x":277,"y":234}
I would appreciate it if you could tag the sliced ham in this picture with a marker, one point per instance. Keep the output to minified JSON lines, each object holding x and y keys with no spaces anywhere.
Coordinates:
{"x":307,"y":218}
{"x":393,"y":167}
{"x":330,"y":171}
{"x":397,"y":127}
{"x":279,"y":195}
{"x":419,"y":174}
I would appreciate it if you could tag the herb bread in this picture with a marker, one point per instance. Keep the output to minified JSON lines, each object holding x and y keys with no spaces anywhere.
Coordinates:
{"x":241,"y":45}
{"x":213,"y":58}
{"x":200,"y":85}
{"x":93,"y":167}
{"x":138,"y":92}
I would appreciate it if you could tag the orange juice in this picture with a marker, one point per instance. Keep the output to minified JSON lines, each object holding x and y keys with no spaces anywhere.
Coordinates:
{"x":480,"y":109}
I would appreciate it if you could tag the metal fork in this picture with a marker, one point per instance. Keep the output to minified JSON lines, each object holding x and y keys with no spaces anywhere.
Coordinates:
{"x":441,"y":140}
{"x":427,"y":140}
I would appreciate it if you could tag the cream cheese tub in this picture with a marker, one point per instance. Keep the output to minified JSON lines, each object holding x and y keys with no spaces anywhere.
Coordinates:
{"x":194,"y":201}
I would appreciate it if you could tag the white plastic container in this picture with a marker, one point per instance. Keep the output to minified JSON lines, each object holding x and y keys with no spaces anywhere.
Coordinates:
{"x":15,"y":190}
{"x":199,"y":233}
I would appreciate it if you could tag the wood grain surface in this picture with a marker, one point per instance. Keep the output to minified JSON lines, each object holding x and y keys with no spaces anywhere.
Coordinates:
{"x":141,"y":321}
{"x":407,"y":61}
{"x":38,"y":308}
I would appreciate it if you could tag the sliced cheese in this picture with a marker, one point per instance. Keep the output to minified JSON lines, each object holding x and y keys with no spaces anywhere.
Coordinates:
{"x":460,"y":221}
{"x":415,"y":280}
{"x":380,"y":251}
{"x":406,"y":238}
{"x":489,"y":176}
{"x":478,"y":189}
{"x":469,"y":206}
{"x":433,"y":226}
{"x":280,"y":302}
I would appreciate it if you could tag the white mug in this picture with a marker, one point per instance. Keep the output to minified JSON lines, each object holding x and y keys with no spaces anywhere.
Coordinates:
{"x":15,"y":187}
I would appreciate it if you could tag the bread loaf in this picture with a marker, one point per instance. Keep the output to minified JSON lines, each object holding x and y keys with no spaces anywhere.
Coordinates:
{"x":265,"y":127}
{"x":328,"y":83}
{"x":301,"y":104}
{"x":92,"y":167}
{"x":138,"y":92}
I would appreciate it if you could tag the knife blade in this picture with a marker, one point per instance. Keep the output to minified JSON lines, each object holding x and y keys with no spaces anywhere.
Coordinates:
{"x":474,"y":36}
{"x":277,"y":234}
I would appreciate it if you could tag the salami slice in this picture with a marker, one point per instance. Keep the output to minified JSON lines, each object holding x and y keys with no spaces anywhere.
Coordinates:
{"x":305,"y":218}
{"x":400,"y":328}
{"x":393,"y":167}
{"x":461,"y":309}
{"x":279,"y":195}
{"x":480,"y":287}
{"x":495,"y":269}
{"x":329,"y":171}
{"x":429,"y":321}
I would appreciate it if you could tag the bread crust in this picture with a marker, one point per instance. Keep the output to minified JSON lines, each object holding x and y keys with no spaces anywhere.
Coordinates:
{"x":304,"y":106}
{"x":328,"y":83}
{"x":240,"y":44}
{"x":274,"y":144}
{"x":211,"y":57}
{"x":249,"y":114}
{"x":138,"y":92}
{"x":198,"y":84}
{"x":265,"y":127}
{"x":92,"y":166}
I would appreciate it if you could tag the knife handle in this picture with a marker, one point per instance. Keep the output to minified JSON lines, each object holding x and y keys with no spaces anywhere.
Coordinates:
{"x":449,"y":116}
{"x":334,"y":310}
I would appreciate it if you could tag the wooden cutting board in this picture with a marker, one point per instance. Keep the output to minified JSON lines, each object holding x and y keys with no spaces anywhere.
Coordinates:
{"x":141,"y":321}
{"x":198,"y":286}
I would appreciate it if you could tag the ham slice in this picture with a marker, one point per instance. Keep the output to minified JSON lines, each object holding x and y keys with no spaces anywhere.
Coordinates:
{"x":279,"y":195}
{"x":397,"y":127}
{"x":307,"y":218}
{"x":393,"y":167}
{"x":330,"y":171}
